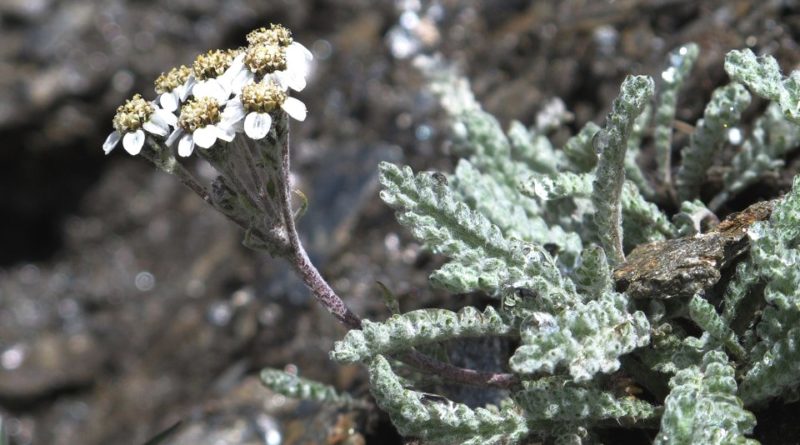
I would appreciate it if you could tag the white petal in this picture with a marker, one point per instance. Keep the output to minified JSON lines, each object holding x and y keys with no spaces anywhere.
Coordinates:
{"x":169,"y":118}
{"x":156,"y":129}
{"x":206,"y":136}
{"x":297,"y":60}
{"x":243,"y":78}
{"x":186,"y":145}
{"x":295,"y":108}
{"x":211,"y":88}
{"x":234,"y":111}
{"x":169,"y":101}
{"x":281,"y":78}
{"x":226,"y":132}
{"x":176,"y":133}
{"x":133,"y":142}
{"x":186,"y":89}
{"x":111,"y":141}
{"x":236,"y":67}
{"x":256,"y":125}
{"x":296,"y":81}
{"x":296,"y":47}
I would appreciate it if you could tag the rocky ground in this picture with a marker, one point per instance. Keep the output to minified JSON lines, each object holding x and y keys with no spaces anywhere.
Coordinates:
{"x":127,"y":305}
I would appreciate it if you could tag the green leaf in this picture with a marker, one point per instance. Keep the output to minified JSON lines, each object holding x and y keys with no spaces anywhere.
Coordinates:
{"x":586,"y":340}
{"x":702,"y":407}
{"x":442,"y":422}
{"x":404,"y":331}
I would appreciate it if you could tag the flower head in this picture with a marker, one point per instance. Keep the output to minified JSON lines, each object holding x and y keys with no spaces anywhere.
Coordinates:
{"x":265,"y":58}
{"x":274,"y":54}
{"x":256,"y":102}
{"x":276,"y":35}
{"x":134,"y":117}
{"x":213,"y":64}
{"x":215,"y":72}
{"x":174,"y":87}
{"x":200,"y":123}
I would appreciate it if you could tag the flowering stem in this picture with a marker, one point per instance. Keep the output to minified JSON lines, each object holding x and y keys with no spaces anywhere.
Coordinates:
{"x":160,"y":157}
{"x":337,"y":307}
{"x":300,"y":260}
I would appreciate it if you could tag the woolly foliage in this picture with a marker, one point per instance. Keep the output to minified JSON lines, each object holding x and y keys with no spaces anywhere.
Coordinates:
{"x":722,"y":112}
{"x":404,"y":331}
{"x":445,"y":422}
{"x":771,"y":138}
{"x":290,"y":385}
{"x":586,"y":340}
{"x":775,"y":255}
{"x":533,"y":148}
{"x":579,"y":150}
{"x":689,"y":220}
{"x":702,"y":406}
{"x":482,"y":257}
{"x":632,"y":170}
{"x":642,"y":220}
{"x":705,"y":315}
{"x":593,"y":276}
{"x":762,"y":76}
{"x":680,"y":63}
{"x":611,"y":143}
{"x":554,"y":399}
{"x":485,"y":195}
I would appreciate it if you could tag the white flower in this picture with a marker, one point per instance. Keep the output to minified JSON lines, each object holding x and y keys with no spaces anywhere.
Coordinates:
{"x":215,"y":72}
{"x":174,"y":87}
{"x":275,"y":55}
{"x":254,"y":105}
{"x":201,"y":123}
{"x":135,"y":117}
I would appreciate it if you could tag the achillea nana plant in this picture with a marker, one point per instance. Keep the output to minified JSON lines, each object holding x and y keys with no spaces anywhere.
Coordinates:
{"x":616,"y":314}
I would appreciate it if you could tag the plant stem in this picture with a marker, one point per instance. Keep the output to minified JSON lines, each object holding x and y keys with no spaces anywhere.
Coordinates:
{"x":336,"y":306}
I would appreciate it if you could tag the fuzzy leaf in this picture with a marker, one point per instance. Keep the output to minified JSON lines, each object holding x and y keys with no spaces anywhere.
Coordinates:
{"x":296,"y":387}
{"x":442,"y":422}
{"x":702,"y":407}
{"x":680,"y":63}
{"x":560,"y":400}
{"x":723,"y":111}
{"x":404,"y":331}
{"x":611,"y":143}
{"x":587,"y":339}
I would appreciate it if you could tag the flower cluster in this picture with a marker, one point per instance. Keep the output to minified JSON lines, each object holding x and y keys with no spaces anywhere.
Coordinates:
{"x":223,"y":93}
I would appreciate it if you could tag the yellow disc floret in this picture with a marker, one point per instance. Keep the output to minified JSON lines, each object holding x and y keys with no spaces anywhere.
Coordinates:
{"x":262,"y":97}
{"x":265,"y":58}
{"x":213,"y":63}
{"x":276,"y":35}
{"x":132,"y":114}
{"x":198,"y":113}
{"x":168,"y":81}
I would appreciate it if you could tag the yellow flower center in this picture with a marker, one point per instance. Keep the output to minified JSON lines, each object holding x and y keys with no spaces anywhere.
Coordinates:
{"x":276,"y":35}
{"x":213,"y":63}
{"x":167,"y":82}
{"x":132,"y":114}
{"x":198,"y":113}
{"x":262,"y":97}
{"x":265,"y":58}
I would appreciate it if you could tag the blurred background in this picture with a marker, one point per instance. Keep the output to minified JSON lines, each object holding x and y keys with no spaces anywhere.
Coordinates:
{"x":127,"y":305}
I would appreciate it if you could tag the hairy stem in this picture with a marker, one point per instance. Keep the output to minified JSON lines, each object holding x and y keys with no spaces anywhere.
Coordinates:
{"x":329,"y":299}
